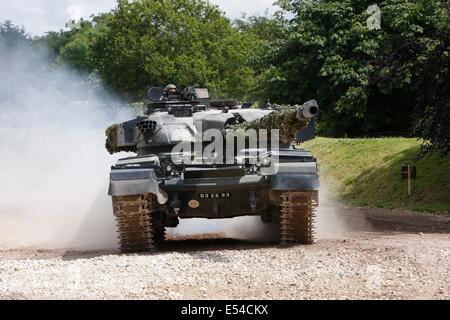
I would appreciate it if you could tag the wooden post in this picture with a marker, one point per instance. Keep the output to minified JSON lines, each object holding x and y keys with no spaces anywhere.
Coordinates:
{"x":409,"y":180}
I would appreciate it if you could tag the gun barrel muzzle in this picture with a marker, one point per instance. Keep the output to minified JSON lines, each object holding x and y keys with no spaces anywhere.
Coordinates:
{"x":309,"y":110}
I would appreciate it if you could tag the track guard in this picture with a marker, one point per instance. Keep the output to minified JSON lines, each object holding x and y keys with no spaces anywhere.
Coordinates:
{"x":294,"y":181}
{"x":297,"y":195}
{"x":134,"y":182}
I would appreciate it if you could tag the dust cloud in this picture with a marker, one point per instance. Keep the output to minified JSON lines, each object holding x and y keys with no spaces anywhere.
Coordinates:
{"x":243,"y":228}
{"x":54,"y":168}
{"x":332,"y":223}
{"x":54,"y":189}
{"x":331,"y":220}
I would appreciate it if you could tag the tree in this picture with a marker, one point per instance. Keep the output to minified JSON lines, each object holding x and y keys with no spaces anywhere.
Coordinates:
{"x":15,"y":48}
{"x":365,"y":78}
{"x":15,"y":43}
{"x":13,"y":36}
{"x":150,"y":42}
{"x":75,"y":46}
{"x":433,"y":108}
{"x":413,"y":60}
{"x":327,"y":56}
{"x":265,"y":34}
{"x":433,"y":101}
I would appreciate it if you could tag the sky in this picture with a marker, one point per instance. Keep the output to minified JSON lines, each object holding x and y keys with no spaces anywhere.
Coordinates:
{"x":39,"y":16}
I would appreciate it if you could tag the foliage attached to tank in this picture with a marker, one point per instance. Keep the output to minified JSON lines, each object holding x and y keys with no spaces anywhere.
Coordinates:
{"x":284,"y":118}
{"x":111,"y":141}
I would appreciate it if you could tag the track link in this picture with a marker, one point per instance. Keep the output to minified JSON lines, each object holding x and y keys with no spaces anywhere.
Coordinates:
{"x":298,"y":217}
{"x":137,"y":229}
{"x":159,"y":235}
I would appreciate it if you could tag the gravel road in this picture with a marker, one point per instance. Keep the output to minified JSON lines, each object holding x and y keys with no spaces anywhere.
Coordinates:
{"x":386,"y":255}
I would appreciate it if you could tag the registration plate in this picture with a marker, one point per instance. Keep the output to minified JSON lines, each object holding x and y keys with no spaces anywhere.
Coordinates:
{"x":222,"y":195}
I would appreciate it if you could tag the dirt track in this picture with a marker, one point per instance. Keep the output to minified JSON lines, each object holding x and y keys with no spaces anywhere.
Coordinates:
{"x":387,"y":255}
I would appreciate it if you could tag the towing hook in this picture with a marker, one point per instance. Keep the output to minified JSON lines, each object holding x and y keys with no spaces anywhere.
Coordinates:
{"x":176,"y":204}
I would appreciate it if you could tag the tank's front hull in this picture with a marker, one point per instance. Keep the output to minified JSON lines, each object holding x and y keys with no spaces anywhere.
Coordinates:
{"x":152,"y":192}
{"x":217,"y":198}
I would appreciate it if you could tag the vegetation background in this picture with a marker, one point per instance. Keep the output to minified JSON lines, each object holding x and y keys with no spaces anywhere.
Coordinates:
{"x":391,"y":80}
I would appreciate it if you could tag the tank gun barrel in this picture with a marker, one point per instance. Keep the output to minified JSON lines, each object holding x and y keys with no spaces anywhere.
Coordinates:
{"x":287,"y":119}
{"x":309,"y":110}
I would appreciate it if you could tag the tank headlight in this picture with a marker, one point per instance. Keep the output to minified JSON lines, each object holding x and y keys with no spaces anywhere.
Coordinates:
{"x":169,"y":168}
{"x":266,"y":162}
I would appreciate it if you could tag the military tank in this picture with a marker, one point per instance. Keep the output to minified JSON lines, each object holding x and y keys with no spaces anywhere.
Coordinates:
{"x":175,"y":174}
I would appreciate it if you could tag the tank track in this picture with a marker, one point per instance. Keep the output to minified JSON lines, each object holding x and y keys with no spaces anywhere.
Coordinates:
{"x":298,"y":217}
{"x":137,"y":228}
{"x":159,"y":235}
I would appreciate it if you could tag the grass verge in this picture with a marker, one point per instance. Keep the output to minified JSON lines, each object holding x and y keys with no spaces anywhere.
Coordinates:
{"x":367,"y":172}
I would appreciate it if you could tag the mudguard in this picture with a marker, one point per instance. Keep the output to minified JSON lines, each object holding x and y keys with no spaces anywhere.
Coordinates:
{"x":134,"y":182}
{"x":294,"y":181}
{"x":301,"y":176}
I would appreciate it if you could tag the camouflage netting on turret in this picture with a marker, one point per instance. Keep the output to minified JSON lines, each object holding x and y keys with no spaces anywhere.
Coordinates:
{"x":111,"y":141}
{"x":285,"y":118}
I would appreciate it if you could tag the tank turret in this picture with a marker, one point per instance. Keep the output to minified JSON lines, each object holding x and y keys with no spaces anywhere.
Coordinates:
{"x":174,"y":117}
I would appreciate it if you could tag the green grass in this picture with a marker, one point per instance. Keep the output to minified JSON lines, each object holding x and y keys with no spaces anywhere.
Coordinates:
{"x":367,"y":172}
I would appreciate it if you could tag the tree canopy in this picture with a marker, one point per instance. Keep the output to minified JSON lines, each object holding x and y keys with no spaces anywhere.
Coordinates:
{"x":14,"y":44}
{"x":151,"y":42}
{"x":369,"y":81}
